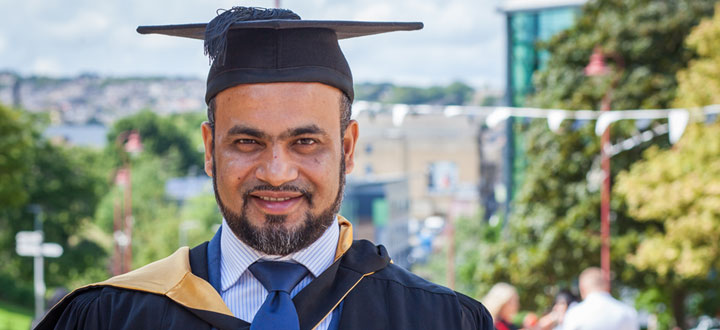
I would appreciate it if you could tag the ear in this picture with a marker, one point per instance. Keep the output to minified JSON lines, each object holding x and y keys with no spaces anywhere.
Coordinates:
{"x":208,"y":137}
{"x":349,"y":141}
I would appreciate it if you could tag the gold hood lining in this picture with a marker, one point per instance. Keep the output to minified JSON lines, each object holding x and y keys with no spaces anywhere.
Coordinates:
{"x":173,"y":278}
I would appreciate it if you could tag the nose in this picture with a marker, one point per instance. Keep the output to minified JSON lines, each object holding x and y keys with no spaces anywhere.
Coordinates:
{"x":276,"y":168}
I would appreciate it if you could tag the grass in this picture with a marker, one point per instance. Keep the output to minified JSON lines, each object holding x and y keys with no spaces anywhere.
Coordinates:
{"x":14,"y":317}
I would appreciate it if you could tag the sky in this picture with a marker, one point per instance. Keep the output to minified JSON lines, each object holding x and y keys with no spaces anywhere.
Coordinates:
{"x":462,"y":40}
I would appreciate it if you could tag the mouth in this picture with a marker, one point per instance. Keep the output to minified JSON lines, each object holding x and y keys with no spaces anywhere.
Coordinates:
{"x":277,"y":203}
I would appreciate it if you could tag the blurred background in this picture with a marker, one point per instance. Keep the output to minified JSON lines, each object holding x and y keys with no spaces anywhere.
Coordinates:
{"x":516,"y":141}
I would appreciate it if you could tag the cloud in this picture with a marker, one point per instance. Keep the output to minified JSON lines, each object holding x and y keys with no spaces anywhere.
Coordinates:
{"x":47,"y":66}
{"x":81,"y":25}
{"x":3,"y":43}
{"x":462,"y":39}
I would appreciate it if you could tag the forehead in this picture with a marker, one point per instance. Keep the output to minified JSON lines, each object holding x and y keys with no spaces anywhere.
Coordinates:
{"x":278,"y":105}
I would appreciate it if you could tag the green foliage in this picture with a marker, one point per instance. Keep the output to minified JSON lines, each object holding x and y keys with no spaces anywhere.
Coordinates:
{"x":204,"y":212}
{"x":162,"y":136}
{"x":553,"y":232}
{"x":15,"y":139}
{"x":680,"y":189}
{"x":699,"y":84}
{"x":59,"y":181}
{"x":74,"y":187}
{"x":642,"y":38}
{"x":456,"y":93}
{"x":172,"y":148}
{"x":13,"y":317}
{"x":474,"y":240}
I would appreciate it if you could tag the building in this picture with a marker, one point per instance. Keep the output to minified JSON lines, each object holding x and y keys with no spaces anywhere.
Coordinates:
{"x":436,"y":154}
{"x":378,"y":210}
{"x":528,"y":22}
{"x":412,"y":162}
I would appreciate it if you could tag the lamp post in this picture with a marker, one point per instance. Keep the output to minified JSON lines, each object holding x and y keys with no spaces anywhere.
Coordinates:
{"x":123,"y":222}
{"x":597,"y":67}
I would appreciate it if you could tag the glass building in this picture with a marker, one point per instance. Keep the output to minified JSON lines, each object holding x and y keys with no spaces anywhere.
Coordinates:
{"x":529,"y":22}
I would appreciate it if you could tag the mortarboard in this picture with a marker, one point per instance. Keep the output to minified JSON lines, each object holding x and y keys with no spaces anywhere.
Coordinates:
{"x":255,"y":45}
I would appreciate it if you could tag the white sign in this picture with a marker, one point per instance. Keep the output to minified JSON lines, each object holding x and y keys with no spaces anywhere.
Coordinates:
{"x":50,"y":250}
{"x":29,"y":244}
{"x":29,"y":237}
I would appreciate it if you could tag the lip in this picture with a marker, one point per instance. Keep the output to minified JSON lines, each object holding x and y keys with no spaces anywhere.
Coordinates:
{"x":276,"y":202}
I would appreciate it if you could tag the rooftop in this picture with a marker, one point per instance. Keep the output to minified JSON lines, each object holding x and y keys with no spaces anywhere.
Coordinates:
{"x":531,"y":5}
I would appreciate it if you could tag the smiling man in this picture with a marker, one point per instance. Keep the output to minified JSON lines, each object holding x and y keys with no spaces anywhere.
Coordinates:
{"x":278,"y":143}
{"x":278,"y":177}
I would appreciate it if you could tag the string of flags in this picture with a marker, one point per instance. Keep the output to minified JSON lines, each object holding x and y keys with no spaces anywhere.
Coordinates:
{"x":492,"y":116}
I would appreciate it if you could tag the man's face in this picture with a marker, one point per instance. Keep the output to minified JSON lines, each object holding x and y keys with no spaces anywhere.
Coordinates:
{"x":277,"y":162}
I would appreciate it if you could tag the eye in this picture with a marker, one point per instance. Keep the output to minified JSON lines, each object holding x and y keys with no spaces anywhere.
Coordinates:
{"x":245,"y":141}
{"x":306,"y":141}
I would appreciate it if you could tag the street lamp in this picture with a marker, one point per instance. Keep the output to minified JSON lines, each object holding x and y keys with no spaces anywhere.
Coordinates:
{"x":595,"y":68}
{"x":131,"y":143}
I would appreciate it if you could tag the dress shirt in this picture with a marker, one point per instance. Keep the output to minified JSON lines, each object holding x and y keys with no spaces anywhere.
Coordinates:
{"x":599,"y":310}
{"x":244,"y":294}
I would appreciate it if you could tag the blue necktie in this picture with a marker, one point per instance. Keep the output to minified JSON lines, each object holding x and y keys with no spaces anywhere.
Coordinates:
{"x":278,"y":310}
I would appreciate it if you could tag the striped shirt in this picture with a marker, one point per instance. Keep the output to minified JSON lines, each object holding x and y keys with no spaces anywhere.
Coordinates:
{"x":244,"y":294}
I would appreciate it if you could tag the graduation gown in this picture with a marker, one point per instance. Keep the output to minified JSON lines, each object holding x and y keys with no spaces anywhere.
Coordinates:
{"x":176,"y":293}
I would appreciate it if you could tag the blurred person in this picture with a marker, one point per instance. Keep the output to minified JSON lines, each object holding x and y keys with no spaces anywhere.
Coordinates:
{"x":503,"y":303}
{"x":599,"y":310}
{"x":554,"y":319}
{"x":530,"y":321}
{"x":279,"y":141}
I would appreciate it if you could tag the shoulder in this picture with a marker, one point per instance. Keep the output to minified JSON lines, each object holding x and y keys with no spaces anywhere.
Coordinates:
{"x":106,"y":307}
{"x":439,"y":302}
{"x":475,"y":315}
{"x":573,"y":315}
{"x":405,"y":298}
{"x":396,"y":275}
{"x":95,"y":307}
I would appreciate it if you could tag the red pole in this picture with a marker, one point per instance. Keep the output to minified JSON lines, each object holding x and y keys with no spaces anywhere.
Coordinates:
{"x":117,"y":259}
{"x":605,"y":196}
{"x":128,"y":221}
{"x":451,"y":252}
{"x":277,"y":3}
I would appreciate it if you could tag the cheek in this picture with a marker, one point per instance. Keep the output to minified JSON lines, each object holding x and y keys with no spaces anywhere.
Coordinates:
{"x":230,"y":170}
{"x":322,"y":170}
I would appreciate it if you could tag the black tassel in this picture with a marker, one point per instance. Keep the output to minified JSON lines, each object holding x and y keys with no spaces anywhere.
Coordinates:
{"x":217,"y":29}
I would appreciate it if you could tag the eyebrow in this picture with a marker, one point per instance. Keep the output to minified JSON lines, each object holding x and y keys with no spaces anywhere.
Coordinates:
{"x":254,"y":132}
{"x":302,"y":130}
{"x":247,"y":130}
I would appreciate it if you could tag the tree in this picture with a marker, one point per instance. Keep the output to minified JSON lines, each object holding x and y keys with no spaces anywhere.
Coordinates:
{"x":15,"y":139}
{"x":162,"y":136}
{"x":172,"y":148}
{"x":679,"y":189}
{"x":457,"y":93}
{"x":59,"y":180}
{"x":553,"y":232}
{"x":699,"y":84}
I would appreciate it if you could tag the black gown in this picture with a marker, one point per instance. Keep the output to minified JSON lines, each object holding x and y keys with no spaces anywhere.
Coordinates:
{"x":375,"y":294}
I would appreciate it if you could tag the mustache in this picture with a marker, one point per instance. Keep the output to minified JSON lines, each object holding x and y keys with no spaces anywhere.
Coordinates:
{"x":285,"y":187}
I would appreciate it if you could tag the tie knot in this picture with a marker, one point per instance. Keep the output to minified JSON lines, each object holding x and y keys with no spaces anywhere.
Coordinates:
{"x":278,"y":275}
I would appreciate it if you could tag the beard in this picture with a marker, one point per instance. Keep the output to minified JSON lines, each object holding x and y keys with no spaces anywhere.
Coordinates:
{"x":274,"y":238}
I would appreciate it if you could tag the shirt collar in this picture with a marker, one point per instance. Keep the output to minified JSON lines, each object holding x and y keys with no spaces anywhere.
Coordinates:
{"x":597,"y":294}
{"x":236,"y":256}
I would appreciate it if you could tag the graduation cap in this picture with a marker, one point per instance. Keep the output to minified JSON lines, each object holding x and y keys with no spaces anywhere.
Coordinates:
{"x":249,"y":45}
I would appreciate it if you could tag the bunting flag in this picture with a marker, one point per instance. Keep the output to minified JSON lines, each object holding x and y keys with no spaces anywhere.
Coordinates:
{"x":492,"y":116}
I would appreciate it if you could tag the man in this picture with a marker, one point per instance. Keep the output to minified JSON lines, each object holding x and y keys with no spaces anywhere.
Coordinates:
{"x":278,"y":144}
{"x":599,"y":310}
